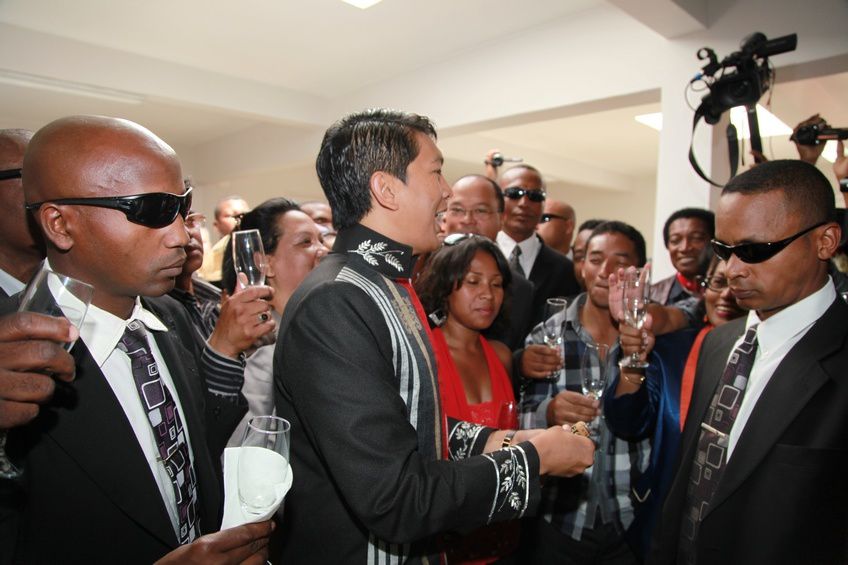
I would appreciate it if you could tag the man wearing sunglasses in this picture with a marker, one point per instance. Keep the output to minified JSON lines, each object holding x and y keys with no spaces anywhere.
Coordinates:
{"x":551,"y":273}
{"x":21,"y":247}
{"x":764,"y":449}
{"x":122,"y":465}
{"x":556,"y":227}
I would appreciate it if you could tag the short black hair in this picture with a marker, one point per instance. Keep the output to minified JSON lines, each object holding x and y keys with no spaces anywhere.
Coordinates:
{"x":627,"y":231}
{"x":590,"y":224}
{"x":263,"y":218}
{"x":706,"y":216}
{"x":806,"y":190}
{"x":495,"y":188}
{"x":356,"y":147}
{"x":448,"y":266}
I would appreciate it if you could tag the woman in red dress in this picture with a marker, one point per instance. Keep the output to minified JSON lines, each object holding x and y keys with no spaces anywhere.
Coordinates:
{"x":462,"y":287}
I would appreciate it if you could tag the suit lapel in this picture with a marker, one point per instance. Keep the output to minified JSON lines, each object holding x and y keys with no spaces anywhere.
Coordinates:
{"x":798,"y":377}
{"x":94,"y":431}
{"x":188,"y":386}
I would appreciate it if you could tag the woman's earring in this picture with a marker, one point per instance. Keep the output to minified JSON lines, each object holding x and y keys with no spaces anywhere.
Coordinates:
{"x":438,"y":317}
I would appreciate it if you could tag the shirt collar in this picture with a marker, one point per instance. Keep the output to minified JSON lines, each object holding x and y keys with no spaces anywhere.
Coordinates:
{"x":529,"y":246}
{"x":789,"y":322}
{"x":10,"y":284}
{"x":101,"y":330}
{"x":376,"y":251}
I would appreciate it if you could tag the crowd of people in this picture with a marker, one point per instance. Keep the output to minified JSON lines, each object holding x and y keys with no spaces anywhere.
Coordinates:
{"x":402,"y":330}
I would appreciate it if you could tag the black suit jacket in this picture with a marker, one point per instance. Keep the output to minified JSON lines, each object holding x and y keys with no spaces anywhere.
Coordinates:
{"x":88,"y":494}
{"x":552,"y":275}
{"x":783,"y":497}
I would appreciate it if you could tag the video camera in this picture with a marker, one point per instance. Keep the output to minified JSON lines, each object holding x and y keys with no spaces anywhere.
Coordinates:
{"x":813,"y":134}
{"x":740,"y":79}
{"x":751,"y":78}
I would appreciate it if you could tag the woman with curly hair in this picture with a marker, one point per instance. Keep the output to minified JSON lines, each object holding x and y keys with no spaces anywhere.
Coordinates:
{"x":462,"y":289}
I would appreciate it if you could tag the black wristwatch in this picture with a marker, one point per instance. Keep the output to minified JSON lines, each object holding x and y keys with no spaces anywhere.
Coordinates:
{"x":843,"y":185}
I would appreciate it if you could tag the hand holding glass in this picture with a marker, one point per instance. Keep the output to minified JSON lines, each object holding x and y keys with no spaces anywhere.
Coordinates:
{"x":635,"y":294}
{"x":249,"y":258}
{"x":263,"y":464}
{"x":52,"y":294}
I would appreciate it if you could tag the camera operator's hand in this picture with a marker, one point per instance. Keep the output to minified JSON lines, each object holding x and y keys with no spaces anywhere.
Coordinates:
{"x":809,"y":153}
{"x":840,"y":166}
{"x":491,"y":167}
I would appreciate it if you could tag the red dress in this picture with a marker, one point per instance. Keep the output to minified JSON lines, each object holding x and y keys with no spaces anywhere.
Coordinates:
{"x":487,"y":544}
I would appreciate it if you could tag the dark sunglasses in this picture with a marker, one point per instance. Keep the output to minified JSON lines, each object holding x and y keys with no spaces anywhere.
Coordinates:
{"x":757,"y":252}
{"x":548,"y":217}
{"x":153,"y":210}
{"x":10,"y":174}
{"x":516,"y":193}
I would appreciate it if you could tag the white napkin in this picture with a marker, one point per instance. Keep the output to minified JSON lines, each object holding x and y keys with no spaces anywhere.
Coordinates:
{"x":270,"y":464}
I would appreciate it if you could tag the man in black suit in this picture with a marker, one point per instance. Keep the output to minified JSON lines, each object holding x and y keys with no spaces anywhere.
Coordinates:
{"x":551,"y":273}
{"x":21,"y":248}
{"x":109,"y":198}
{"x":765,"y":446}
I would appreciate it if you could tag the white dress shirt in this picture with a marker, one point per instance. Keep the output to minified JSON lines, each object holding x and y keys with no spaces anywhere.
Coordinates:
{"x":101,"y":332}
{"x":10,"y":284}
{"x":776,"y":336}
{"x":529,"y":249}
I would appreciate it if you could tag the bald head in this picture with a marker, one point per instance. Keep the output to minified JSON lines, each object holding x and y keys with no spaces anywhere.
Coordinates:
{"x":557,"y":225}
{"x":21,"y":247}
{"x":85,"y":156}
{"x":94,"y":156}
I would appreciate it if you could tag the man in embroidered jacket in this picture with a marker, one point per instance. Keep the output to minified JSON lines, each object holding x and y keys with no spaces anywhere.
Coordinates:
{"x":378,"y":470}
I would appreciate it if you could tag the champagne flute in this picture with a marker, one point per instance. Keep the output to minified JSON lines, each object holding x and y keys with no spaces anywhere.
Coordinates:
{"x":508,"y":415}
{"x":249,"y":257}
{"x":263,"y":464}
{"x":635,"y":294}
{"x":593,"y":375}
{"x":553,"y":327}
{"x":55,"y":295}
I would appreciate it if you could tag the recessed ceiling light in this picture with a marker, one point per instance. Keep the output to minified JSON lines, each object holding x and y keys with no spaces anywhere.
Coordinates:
{"x":362,"y":4}
{"x":770,"y":125}
{"x":654,"y":120}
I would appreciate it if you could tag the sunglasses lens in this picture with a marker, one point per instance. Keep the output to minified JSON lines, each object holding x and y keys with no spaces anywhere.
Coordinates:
{"x":159,"y":209}
{"x":513,"y":193}
{"x":536,"y":196}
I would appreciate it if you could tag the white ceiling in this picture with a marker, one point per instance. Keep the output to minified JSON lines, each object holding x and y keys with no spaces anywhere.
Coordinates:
{"x":207,"y":70}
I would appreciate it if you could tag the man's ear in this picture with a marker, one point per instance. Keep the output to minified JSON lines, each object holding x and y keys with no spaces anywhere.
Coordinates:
{"x":54,"y":226}
{"x":385,"y":189}
{"x":828,"y":241}
{"x":269,"y":269}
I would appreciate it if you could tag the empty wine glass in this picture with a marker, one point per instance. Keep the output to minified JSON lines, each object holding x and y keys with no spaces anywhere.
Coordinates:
{"x":635,"y":294}
{"x":553,"y":325}
{"x":593,"y":375}
{"x":263,"y":464}
{"x":249,"y":258}
{"x":52,"y":294}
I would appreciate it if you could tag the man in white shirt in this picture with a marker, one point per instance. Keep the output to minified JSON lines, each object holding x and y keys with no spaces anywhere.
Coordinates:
{"x":551,"y":273}
{"x":765,"y":444}
{"x":121,"y":465}
{"x":21,"y":248}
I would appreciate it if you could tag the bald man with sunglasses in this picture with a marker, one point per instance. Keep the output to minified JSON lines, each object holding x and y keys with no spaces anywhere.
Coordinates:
{"x":122,"y":464}
{"x":765,"y":445}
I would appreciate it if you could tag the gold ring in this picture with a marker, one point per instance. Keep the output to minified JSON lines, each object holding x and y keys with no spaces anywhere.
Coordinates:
{"x":580,"y":429}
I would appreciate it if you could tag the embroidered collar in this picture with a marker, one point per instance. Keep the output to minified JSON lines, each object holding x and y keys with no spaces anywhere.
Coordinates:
{"x":382,"y":254}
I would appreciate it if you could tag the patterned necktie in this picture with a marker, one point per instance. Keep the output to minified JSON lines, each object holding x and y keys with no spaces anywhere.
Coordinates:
{"x":167,"y":427}
{"x":514,"y":262}
{"x":711,"y":458}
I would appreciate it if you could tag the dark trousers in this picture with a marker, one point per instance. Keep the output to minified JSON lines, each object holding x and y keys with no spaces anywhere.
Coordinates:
{"x":541,"y":544}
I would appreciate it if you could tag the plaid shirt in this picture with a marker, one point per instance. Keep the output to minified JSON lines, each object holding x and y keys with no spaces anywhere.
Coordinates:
{"x":603,"y":492}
